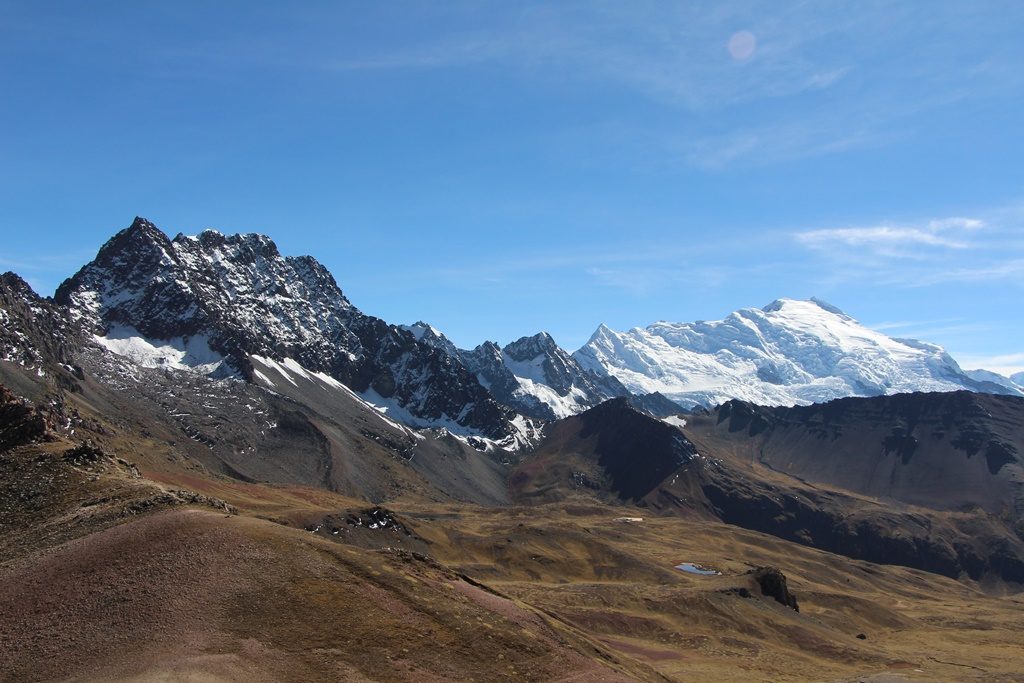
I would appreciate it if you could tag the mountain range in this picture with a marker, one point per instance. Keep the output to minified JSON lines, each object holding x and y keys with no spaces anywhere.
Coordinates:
{"x":213,"y":303}
{"x":206,"y":449}
{"x":228,"y":305}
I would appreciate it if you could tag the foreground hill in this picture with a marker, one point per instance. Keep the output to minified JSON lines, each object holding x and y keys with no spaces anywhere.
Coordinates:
{"x":150,"y":569}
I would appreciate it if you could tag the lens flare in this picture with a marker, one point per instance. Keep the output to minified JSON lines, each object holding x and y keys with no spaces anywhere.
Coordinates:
{"x":742,"y":45}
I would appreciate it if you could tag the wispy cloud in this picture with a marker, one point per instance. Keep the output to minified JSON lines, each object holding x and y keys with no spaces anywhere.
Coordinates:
{"x":677,"y":55}
{"x":954,"y":249}
{"x":945,"y":232}
{"x":642,"y":279}
{"x":898,"y":325}
{"x":1011,"y":271}
{"x":773,"y":144}
{"x":452,"y":51}
{"x":674,"y":54}
{"x":1005,"y":364}
{"x":926,"y":330}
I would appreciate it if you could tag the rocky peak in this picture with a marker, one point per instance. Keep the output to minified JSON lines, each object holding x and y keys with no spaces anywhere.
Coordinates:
{"x":490,"y":348}
{"x":487,"y":364}
{"x":140,"y":224}
{"x":528,"y":348}
{"x":138,"y":239}
{"x":539,"y":379}
{"x":241,"y":297}
{"x":430,"y":335}
{"x":13,"y":283}
{"x":248,"y":246}
{"x":539,"y":358}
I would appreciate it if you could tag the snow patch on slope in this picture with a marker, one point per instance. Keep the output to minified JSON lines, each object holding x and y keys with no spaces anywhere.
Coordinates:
{"x":180,"y":353}
{"x":293,"y":372}
{"x":674,"y":420}
{"x":562,"y":406}
{"x":534,"y":382}
{"x":523,"y":434}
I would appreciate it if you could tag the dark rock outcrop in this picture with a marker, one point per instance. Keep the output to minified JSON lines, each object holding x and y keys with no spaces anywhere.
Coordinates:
{"x":636,"y":451}
{"x":20,"y":421}
{"x":773,"y":585}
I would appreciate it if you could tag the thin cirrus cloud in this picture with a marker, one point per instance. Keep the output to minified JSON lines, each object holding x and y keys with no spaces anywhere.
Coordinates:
{"x":726,"y":60}
{"x":949,"y":233}
{"x":683,"y":57}
{"x":1011,"y":271}
{"x":952,"y":250}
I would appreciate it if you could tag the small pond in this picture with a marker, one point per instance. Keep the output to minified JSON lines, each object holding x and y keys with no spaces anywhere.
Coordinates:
{"x":691,"y":568}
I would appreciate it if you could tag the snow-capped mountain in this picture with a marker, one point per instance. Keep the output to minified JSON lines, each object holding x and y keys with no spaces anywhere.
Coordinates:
{"x":789,"y":352}
{"x":234,"y":306}
{"x":212,"y":302}
{"x":1018,"y":378}
{"x":996,"y":378}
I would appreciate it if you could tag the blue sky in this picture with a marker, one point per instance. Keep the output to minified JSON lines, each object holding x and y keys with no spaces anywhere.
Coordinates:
{"x":502,"y":168}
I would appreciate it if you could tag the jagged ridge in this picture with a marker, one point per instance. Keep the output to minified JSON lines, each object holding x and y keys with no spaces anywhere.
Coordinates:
{"x":239,"y":296}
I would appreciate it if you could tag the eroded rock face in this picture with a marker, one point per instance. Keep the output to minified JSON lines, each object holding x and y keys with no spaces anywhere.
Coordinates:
{"x":20,"y":421}
{"x":35,"y":333}
{"x":954,"y":458}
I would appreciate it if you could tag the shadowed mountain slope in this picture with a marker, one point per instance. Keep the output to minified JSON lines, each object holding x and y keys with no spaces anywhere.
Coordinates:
{"x":713,"y":471}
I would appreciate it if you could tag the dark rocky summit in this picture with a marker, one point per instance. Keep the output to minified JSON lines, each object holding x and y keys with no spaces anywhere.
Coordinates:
{"x":243,"y":298}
